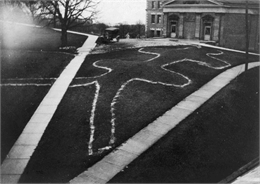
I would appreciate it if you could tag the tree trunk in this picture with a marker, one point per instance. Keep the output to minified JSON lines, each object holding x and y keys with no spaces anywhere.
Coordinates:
{"x":64,"y":36}
{"x":54,"y":19}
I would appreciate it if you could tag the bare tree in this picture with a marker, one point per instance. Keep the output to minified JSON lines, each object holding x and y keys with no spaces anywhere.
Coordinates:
{"x":68,"y":13}
{"x":30,"y":4}
{"x":33,"y":7}
{"x":139,"y":25}
{"x":22,"y":7}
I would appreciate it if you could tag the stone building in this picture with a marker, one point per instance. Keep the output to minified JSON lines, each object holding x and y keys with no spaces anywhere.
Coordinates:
{"x":219,"y":21}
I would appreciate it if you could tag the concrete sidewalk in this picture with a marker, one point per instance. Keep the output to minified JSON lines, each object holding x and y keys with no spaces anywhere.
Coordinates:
{"x":251,"y":177}
{"x":117,"y":160}
{"x":247,"y":174}
{"x":19,"y":155}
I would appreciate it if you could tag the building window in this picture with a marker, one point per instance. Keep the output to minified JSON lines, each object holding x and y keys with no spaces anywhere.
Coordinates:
{"x":159,"y":19}
{"x":158,"y":33}
{"x":159,"y":4}
{"x":153,"y":4}
{"x":153,"y":19}
{"x":152,"y":33}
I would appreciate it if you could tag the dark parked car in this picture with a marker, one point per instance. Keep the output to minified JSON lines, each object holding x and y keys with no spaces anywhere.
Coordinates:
{"x":110,"y":34}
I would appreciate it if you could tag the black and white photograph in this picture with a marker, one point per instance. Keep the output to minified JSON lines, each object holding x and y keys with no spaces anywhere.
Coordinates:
{"x":129,"y":91}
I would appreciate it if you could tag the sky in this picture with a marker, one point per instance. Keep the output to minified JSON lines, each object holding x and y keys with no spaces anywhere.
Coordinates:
{"x":113,"y":12}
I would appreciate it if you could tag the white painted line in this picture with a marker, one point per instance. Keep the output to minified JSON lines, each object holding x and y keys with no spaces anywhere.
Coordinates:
{"x":25,"y":84}
{"x":13,"y":167}
{"x":51,"y":78}
{"x":157,"y":55}
{"x":123,"y":86}
{"x":95,"y":64}
{"x":109,"y":166}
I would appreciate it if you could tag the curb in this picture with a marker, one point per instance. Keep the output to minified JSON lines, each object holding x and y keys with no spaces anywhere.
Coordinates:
{"x":241,"y":171}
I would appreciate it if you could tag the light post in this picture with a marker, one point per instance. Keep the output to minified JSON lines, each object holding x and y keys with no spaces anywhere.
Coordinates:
{"x":247,"y":36}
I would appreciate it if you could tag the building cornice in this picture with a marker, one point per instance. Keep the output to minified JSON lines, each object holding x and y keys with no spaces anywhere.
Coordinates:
{"x":209,"y":9}
{"x":192,"y":5}
{"x":212,"y":3}
{"x":216,"y":3}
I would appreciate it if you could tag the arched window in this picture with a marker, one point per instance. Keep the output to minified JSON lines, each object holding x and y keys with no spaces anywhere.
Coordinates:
{"x":208,"y":18}
{"x":174,"y":17}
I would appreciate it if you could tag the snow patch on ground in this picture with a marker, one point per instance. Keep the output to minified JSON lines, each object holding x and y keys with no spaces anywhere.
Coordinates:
{"x":135,"y":43}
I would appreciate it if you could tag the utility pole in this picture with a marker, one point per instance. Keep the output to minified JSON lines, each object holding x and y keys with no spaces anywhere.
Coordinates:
{"x":247,"y":36}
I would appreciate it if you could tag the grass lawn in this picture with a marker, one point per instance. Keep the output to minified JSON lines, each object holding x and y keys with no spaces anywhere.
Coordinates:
{"x":28,"y":58}
{"x":20,"y":37}
{"x":209,"y":145}
{"x":18,"y":103}
{"x":120,"y":92}
{"x":32,"y":64}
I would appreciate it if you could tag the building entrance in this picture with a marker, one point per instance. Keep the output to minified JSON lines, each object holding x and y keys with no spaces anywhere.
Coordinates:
{"x":173,"y":29}
{"x":173,"y":26}
{"x":151,"y":33}
{"x":207,"y":32}
{"x":207,"y":27}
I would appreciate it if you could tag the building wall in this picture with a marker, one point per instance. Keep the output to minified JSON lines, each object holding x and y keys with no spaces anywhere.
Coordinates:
{"x":227,"y":28}
{"x":191,"y":25}
{"x":156,"y":27}
{"x":233,"y":26}
{"x":254,"y":33}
